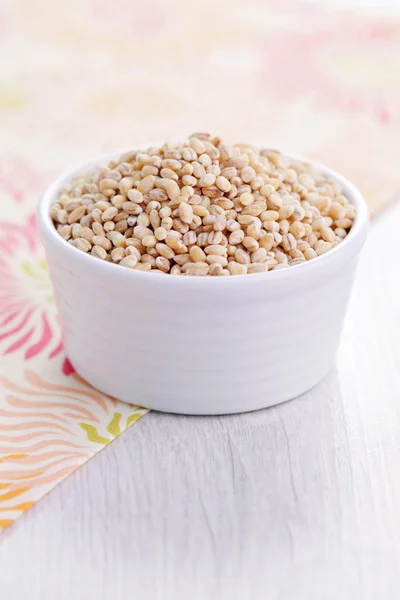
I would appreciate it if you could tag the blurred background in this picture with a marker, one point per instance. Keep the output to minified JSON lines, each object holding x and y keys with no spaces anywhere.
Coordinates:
{"x":83,"y":77}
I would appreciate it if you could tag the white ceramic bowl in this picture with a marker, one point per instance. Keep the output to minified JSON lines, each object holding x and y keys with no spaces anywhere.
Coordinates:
{"x":201,"y":345}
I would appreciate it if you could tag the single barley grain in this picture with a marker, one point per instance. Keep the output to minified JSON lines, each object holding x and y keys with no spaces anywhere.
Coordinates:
{"x":129,"y":261}
{"x":99,"y":252}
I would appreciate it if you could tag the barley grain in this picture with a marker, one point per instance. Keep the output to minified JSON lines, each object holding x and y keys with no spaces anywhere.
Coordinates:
{"x":82,"y":244}
{"x":236,"y":268}
{"x":257,"y":268}
{"x":129,"y":261}
{"x":99,"y":252}
{"x":117,"y":254}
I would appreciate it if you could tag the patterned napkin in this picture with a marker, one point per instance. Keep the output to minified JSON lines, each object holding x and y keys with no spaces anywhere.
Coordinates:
{"x":88,"y":76}
{"x":51,"y":421}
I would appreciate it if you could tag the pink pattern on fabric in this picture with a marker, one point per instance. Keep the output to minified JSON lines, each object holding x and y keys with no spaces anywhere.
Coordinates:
{"x":19,"y":181}
{"x":343,"y":66}
{"x":67,"y":368}
{"x":28,"y":320}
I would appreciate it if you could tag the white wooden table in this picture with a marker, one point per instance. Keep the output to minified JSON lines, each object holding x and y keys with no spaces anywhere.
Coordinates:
{"x":301,"y":501}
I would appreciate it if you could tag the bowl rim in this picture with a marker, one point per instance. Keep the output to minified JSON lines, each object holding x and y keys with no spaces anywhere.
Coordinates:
{"x":350,"y":245}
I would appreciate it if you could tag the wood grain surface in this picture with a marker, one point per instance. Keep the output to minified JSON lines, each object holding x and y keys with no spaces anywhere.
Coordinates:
{"x":297,"y":502}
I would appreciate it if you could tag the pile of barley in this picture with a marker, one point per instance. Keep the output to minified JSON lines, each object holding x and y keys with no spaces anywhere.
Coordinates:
{"x":204,"y":208}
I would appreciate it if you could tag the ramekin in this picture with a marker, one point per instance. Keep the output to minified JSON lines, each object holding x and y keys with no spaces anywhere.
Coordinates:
{"x":201,"y":345}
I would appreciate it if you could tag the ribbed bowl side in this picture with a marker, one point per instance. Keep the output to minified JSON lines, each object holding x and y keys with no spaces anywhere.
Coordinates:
{"x":202,"y":351}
